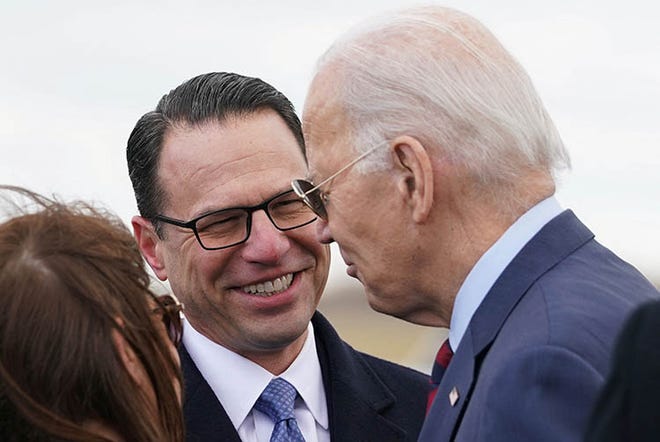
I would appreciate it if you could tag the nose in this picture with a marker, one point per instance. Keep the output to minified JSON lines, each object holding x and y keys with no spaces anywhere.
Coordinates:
{"x":323,"y":234}
{"x":266,"y":243}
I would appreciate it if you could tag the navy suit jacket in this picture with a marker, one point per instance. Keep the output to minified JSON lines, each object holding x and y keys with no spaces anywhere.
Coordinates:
{"x":369,"y":399}
{"x":537,"y":350}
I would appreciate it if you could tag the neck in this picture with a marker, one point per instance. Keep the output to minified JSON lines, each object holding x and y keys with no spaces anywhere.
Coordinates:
{"x":276,"y":361}
{"x":275,"y":357}
{"x":465,"y":225}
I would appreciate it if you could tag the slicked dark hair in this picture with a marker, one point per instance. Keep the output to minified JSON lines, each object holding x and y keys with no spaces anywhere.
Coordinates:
{"x":216,"y":96}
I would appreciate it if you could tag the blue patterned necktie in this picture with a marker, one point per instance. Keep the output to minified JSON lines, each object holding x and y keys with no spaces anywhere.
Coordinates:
{"x":276,"y":402}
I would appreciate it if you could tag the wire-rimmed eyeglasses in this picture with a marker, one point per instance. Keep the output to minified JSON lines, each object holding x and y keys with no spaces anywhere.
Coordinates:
{"x":312,"y":195}
{"x":229,"y":227}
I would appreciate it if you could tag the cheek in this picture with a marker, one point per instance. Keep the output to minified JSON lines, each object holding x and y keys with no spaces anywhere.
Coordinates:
{"x":355,"y":231}
{"x":350,"y":224}
{"x":311,"y":245}
{"x":207,"y":266}
{"x":202,"y":269}
{"x":306,"y":241}
{"x":322,"y":265}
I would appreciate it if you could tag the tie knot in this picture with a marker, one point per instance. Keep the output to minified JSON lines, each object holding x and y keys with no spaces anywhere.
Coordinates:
{"x":277,"y":400}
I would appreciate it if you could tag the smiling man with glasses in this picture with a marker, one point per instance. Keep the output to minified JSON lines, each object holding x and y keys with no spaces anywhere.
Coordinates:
{"x":211,"y":168}
{"x":450,"y":221}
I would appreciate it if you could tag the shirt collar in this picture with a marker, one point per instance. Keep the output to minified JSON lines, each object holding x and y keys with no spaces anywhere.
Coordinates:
{"x":238,"y":382}
{"x":305,"y":374}
{"x":492,"y":263}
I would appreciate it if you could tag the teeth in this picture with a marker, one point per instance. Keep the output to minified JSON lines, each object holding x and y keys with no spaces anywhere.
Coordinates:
{"x":269,"y":288}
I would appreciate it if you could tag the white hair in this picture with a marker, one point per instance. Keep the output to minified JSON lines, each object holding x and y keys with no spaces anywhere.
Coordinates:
{"x":439,"y":75}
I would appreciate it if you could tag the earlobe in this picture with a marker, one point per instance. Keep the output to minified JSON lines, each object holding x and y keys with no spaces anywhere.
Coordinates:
{"x":148,"y":243}
{"x":416,"y":179}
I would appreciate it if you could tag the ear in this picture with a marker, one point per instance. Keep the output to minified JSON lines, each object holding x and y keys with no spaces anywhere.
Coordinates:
{"x":415,"y":179}
{"x":149,"y":244}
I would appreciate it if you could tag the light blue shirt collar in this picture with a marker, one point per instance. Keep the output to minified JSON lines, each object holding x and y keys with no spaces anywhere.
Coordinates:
{"x":492,"y":263}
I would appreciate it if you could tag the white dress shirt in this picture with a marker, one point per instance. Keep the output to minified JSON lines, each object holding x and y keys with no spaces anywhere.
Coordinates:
{"x":492,"y":263}
{"x":238,"y":382}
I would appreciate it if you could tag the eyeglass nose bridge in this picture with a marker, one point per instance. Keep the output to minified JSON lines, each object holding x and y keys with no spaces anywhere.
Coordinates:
{"x":251,"y":211}
{"x":269,"y":236}
{"x":251,"y":214}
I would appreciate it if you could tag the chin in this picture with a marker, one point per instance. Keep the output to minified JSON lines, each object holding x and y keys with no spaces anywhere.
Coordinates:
{"x":281,"y":338}
{"x":380,"y":305}
{"x":375,"y":302}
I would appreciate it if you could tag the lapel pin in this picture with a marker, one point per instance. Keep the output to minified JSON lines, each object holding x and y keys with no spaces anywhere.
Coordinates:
{"x":453,"y":396}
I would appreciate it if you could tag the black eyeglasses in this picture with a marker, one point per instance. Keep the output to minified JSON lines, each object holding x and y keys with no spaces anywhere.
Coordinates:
{"x":230,"y":227}
{"x":171,"y":310}
{"x":311,"y":194}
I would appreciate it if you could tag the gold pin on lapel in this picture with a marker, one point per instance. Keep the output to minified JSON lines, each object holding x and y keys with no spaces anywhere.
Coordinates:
{"x":453,"y":396}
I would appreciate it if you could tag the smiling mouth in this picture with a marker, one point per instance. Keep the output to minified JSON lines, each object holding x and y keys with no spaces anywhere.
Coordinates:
{"x":269,"y":288}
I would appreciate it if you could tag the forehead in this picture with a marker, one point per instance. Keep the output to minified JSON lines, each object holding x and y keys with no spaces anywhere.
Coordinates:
{"x":241,"y":161}
{"x":326,"y":129}
{"x":322,"y":114}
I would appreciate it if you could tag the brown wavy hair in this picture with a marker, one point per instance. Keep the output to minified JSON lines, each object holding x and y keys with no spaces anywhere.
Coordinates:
{"x":70,"y":274}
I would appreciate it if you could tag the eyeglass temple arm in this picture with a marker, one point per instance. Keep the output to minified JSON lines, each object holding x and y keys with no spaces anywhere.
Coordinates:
{"x":343,"y":168}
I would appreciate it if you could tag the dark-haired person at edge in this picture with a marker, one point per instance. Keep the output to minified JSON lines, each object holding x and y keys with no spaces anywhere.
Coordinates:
{"x":87,"y":351}
{"x":432,"y":164}
{"x":211,"y":168}
{"x":627,"y":409}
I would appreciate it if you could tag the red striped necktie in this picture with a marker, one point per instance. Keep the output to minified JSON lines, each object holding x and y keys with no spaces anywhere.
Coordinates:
{"x":442,"y":360}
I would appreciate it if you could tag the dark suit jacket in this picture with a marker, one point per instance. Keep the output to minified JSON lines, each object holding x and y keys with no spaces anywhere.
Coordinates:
{"x":628,"y":408}
{"x":537,"y":349}
{"x":369,"y":399}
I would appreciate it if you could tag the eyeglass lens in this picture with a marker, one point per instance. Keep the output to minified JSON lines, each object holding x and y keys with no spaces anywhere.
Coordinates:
{"x":232,"y":226}
{"x":313,"y":199}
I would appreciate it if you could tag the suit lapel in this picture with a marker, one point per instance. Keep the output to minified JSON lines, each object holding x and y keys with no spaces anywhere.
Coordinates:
{"x":352,"y":389}
{"x":206,"y":419}
{"x":554,"y":242}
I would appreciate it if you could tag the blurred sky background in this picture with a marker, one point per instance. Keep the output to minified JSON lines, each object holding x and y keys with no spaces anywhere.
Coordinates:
{"x":76,"y":75}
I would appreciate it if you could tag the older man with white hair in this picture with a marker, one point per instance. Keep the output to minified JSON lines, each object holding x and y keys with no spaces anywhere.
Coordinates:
{"x":432,"y":164}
